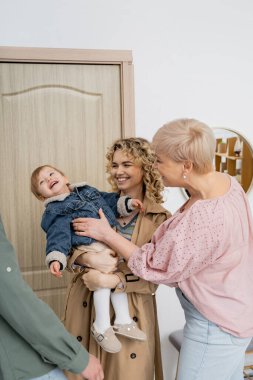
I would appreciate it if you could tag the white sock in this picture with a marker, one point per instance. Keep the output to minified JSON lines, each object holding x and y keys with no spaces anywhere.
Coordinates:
{"x":101,"y":298}
{"x":120,"y":305}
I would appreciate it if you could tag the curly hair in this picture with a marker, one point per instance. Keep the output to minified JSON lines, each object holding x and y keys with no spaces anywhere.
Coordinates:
{"x":140,"y":150}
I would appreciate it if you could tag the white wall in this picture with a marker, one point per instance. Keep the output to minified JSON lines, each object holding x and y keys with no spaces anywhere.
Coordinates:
{"x":192,"y":59}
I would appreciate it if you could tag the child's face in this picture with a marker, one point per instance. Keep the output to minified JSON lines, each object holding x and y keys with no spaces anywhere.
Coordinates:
{"x":51,"y":183}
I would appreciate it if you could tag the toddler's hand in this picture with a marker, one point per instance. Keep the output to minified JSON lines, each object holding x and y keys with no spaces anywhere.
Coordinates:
{"x":55,"y":267}
{"x":136,"y":203}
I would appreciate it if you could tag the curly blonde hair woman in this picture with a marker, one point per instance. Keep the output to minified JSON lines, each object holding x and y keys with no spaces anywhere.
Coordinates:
{"x":130,"y":165}
{"x":142,"y":154}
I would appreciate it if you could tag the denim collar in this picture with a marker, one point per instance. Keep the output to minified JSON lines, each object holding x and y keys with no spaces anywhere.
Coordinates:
{"x":61,"y":197}
{"x":76,"y":185}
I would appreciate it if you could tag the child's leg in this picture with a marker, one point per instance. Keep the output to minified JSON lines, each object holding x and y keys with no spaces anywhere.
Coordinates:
{"x":101,"y":298}
{"x":123,"y":324}
{"x":101,"y":330}
{"x":120,"y":306}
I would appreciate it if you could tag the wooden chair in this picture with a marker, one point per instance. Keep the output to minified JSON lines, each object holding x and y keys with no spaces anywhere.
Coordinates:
{"x":248,"y":367}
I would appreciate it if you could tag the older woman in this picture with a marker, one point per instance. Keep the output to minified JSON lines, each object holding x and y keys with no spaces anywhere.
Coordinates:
{"x":205,"y":251}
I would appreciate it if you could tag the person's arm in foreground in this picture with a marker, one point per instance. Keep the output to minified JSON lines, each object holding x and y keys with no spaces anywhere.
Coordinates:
{"x":101,"y":230}
{"x":36,"y":323}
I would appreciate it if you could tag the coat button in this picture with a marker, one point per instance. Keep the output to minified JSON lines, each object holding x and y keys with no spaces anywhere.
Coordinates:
{"x":133,"y":355}
{"x":79,"y":338}
{"x":135,"y":319}
{"x":85,"y":304}
{"x":8,"y":269}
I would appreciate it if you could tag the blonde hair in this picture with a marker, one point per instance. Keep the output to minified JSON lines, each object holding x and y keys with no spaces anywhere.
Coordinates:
{"x":187,"y":140}
{"x":34,"y":180}
{"x":140,"y":150}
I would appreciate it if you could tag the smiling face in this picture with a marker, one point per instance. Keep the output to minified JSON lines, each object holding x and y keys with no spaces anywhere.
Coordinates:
{"x":51,"y":183}
{"x":170,"y":171}
{"x":127,"y":175}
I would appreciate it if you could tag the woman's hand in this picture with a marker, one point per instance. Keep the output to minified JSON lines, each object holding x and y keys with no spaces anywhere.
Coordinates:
{"x":104,"y":261}
{"x":95,"y":228}
{"x":94,"y":280}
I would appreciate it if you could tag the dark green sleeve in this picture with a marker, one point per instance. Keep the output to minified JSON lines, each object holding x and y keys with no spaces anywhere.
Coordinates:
{"x":32,"y":319}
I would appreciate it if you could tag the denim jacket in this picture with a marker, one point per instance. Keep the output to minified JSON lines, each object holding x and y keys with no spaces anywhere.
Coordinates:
{"x":82,"y":201}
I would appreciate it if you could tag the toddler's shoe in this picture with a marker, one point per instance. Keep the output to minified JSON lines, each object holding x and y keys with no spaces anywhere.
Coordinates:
{"x":130,"y":330}
{"x":108,"y":341}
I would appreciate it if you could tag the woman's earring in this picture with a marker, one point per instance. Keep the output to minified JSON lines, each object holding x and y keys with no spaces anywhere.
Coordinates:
{"x":184,"y":176}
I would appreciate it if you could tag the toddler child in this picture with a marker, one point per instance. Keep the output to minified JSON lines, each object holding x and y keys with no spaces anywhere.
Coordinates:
{"x":63,"y":203}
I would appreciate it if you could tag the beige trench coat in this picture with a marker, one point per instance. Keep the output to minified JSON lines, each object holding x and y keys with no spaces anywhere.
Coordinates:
{"x":136,"y":360}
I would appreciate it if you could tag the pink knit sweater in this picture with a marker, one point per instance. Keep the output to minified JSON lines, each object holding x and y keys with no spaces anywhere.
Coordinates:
{"x":207,"y":251}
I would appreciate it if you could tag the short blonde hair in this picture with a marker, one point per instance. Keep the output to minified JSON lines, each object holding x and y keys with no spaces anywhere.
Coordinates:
{"x":140,"y":150}
{"x":187,"y":140}
{"x":34,"y":179}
